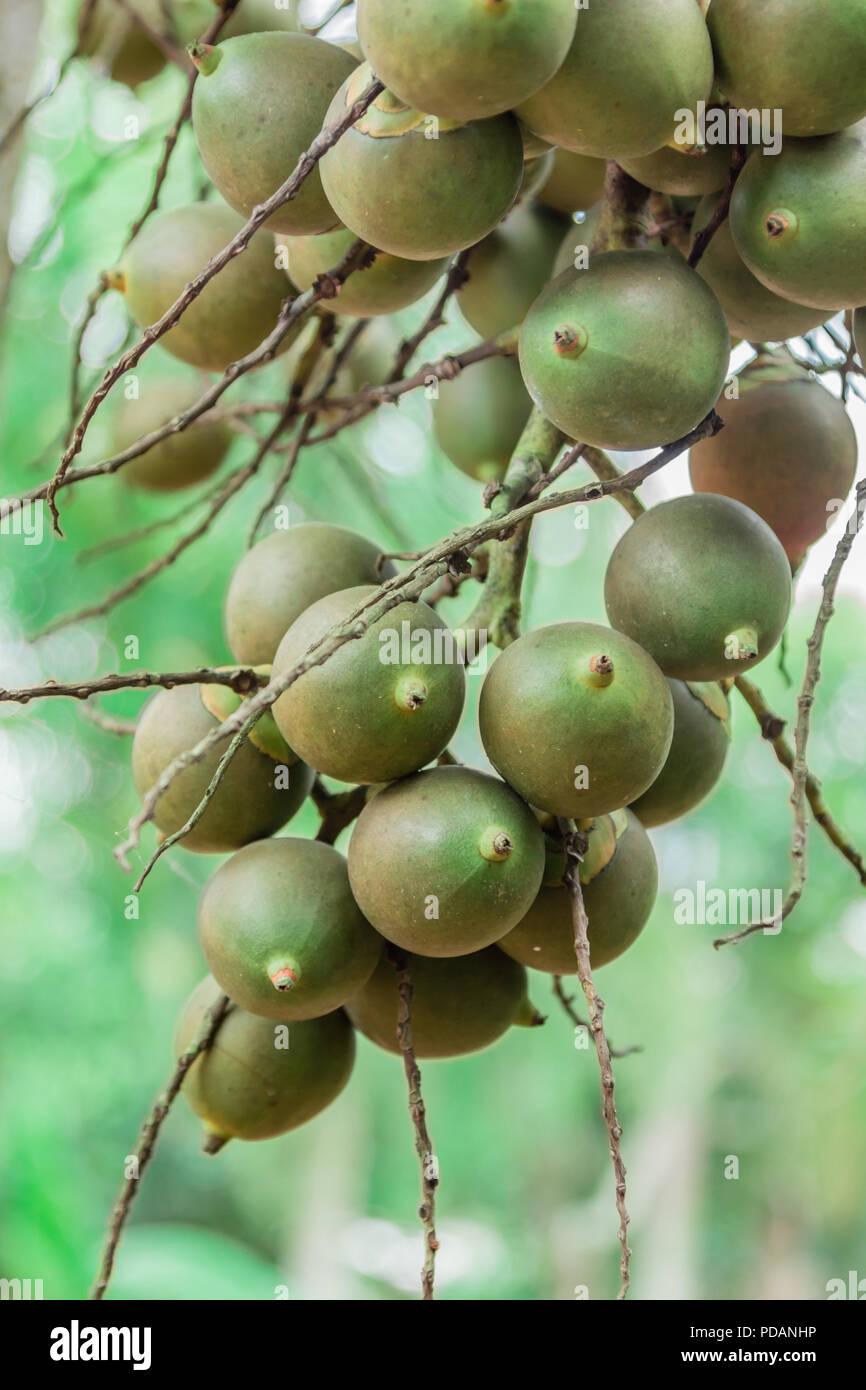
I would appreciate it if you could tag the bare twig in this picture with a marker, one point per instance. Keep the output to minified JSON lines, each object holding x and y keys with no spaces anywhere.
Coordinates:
{"x":107,"y":722}
{"x":567,"y":1002}
{"x":720,"y":212}
{"x":243,"y":679}
{"x":337,"y":809}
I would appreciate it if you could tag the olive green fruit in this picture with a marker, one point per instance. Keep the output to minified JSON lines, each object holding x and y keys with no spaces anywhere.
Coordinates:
{"x":118,"y":44}
{"x":262,"y":787}
{"x":281,"y":932}
{"x":479,"y":417}
{"x":797,"y":219}
{"x":460,"y":1004}
{"x":534,"y":148}
{"x":702,"y":736}
{"x":262,"y":16}
{"x":465,"y":60}
{"x":235,"y":311}
{"x":577,"y":718}
{"x":619,"y":879}
{"x":258,"y":1078}
{"x":806,"y":58}
{"x":384,"y":703}
{"x":508,"y":269}
{"x":389,"y":284}
{"x":446,"y":862}
{"x":703,"y":583}
{"x":627,"y":354}
{"x":406,"y":193}
{"x":788,"y":451}
{"x":181,"y":459}
{"x":259,"y":103}
{"x":576,"y":182}
{"x":284,"y":574}
{"x":632,"y":66}
{"x":860,"y":330}
{"x":676,"y":171}
{"x":751,"y":311}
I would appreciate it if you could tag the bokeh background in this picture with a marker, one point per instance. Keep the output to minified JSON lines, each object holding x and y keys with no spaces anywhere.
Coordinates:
{"x":755,"y":1053}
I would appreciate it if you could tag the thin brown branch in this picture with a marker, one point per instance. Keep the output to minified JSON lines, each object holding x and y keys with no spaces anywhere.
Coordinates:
{"x":720,"y":212}
{"x":243,"y":679}
{"x":121,"y":727}
{"x":567,"y":1002}
{"x":457,"y":276}
{"x":337,"y":809}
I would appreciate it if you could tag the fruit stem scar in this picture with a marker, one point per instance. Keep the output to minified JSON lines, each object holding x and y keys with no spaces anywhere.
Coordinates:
{"x":284,"y":978}
{"x":495,"y":845}
{"x":568,"y":340}
{"x":206,"y":57}
{"x":779,"y":222}
{"x":410,"y":693}
{"x":742,"y":644}
{"x":600,"y":670}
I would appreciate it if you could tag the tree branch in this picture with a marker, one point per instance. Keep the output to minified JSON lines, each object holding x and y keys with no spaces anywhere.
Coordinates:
{"x":243,"y":679}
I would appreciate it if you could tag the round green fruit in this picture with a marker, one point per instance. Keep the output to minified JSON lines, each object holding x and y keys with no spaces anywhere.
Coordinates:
{"x":576,"y":181}
{"x":383,"y":704}
{"x":797,"y":219}
{"x":180,"y":460}
{"x":262,"y":17}
{"x":407,"y":193}
{"x":258,"y":105}
{"x":465,"y":61}
{"x":389,"y":284}
{"x":446,"y":862}
{"x":788,"y":451}
{"x":259,"y":1079}
{"x":118,"y":44}
{"x":460,"y":1004}
{"x":235,"y":311}
{"x":805,"y":58}
{"x":702,"y":736}
{"x":673,"y":171}
{"x":509,"y":268}
{"x":577,"y":718}
{"x":703,"y":583}
{"x":287,"y":572}
{"x":619,"y":879}
{"x":479,"y":417}
{"x":281,"y":932}
{"x":250,"y":802}
{"x":632,"y":66}
{"x":627,"y":354}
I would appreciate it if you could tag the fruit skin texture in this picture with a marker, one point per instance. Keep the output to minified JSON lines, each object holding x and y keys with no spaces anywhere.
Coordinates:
{"x":440,"y":833}
{"x":389,"y":284}
{"x":699,"y":579}
{"x":479,"y":417}
{"x":546,"y":711}
{"x":627,"y":354}
{"x":807,"y":57}
{"x":618,"y":899}
{"x":632,"y":65}
{"x":509,"y":268}
{"x":751,"y":310}
{"x":575,"y":183}
{"x":461,"y":1004}
{"x":787,"y":450}
{"x":234,"y":312}
{"x":672,"y":171}
{"x":407,"y":194}
{"x":246,"y":806}
{"x":281,"y":906}
{"x":178,"y":461}
{"x":286,"y":572}
{"x":362,"y":719}
{"x":465,"y":60}
{"x":257,"y":111}
{"x":246,"y":1086}
{"x":694,"y":765}
{"x":797,"y":219}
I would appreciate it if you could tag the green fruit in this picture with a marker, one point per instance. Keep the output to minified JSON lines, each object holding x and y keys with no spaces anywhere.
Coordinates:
{"x":250,"y":801}
{"x":788,"y":451}
{"x":797,"y":218}
{"x":673,"y":171}
{"x":446,"y":862}
{"x":180,"y":460}
{"x":235,"y":311}
{"x":620,"y":882}
{"x":627,"y":354}
{"x":632,"y":66}
{"x":262,"y":16}
{"x":389,"y":284}
{"x":702,"y":736}
{"x":751,"y":311}
{"x":508,"y":269}
{"x":465,"y":61}
{"x":259,"y":103}
{"x":407,"y":193}
{"x":806,"y":58}
{"x":365,"y":716}
{"x":259,"y":1079}
{"x":704,"y":584}
{"x":859,"y":330}
{"x":461,"y":1004}
{"x":281,"y":932}
{"x":117,"y":42}
{"x":286,"y":572}
{"x":575,"y":183}
{"x":479,"y":417}
{"x":578,"y":719}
